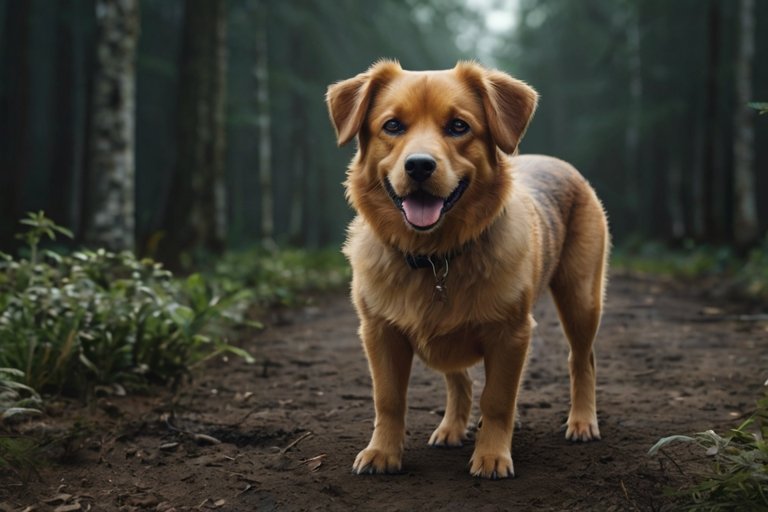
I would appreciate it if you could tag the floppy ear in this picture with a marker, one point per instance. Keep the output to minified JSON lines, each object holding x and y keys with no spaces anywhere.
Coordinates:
{"x":348,"y":101}
{"x":509,"y":103}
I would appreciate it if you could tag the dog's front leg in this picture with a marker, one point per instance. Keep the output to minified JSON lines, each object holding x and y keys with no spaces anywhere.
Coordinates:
{"x":504,"y":353}
{"x":390,"y":357}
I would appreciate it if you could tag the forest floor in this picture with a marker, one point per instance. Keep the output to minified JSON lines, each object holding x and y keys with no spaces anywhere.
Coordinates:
{"x":290,"y":426}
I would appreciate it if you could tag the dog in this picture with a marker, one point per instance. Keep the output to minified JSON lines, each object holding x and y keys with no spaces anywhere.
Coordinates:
{"x":454,"y":239}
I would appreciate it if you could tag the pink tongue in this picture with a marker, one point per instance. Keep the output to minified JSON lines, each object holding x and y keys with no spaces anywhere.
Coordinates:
{"x":422,"y":210}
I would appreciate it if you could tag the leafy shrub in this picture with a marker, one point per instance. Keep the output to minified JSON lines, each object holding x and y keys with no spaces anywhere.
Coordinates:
{"x":70,"y":322}
{"x":753,"y":275}
{"x":738,"y":479}
{"x":96,"y":317}
{"x":16,"y":398}
{"x":744,"y":275}
{"x":279,"y":276}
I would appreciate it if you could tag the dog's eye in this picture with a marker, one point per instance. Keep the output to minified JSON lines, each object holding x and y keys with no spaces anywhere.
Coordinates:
{"x":394,"y":127}
{"x":457,"y":127}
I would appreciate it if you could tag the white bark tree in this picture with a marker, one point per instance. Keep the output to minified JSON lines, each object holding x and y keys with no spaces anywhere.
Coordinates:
{"x":110,"y":221}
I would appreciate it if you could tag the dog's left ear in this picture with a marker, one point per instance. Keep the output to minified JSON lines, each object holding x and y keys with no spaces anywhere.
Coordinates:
{"x":509,"y":103}
{"x":349,"y":100}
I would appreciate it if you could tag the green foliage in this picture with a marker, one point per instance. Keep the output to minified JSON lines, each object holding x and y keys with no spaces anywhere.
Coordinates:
{"x":18,"y":454}
{"x":754,"y":274}
{"x":738,"y":477}
{"x":40,"y":226}
{"x":688,"y":262}
{"x":96,"y":317}
{"x":279,"y":276}
{"x":761,"y":107}
{"x":747,"y":275}
{"x":69,"y":322}
{"x":16,"y":399}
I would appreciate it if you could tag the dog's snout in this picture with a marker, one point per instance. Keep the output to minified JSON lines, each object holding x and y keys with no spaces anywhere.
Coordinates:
{"x":420,"y":166}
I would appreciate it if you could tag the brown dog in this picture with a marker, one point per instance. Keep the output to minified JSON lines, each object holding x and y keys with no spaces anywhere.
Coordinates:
{"x":454,"y":241}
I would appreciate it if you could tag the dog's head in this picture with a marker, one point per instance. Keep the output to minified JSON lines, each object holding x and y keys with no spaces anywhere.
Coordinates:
{"x":430,"y":171}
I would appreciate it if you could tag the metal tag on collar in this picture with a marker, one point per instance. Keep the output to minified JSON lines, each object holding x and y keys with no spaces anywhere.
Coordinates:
{"x":441,"y":291}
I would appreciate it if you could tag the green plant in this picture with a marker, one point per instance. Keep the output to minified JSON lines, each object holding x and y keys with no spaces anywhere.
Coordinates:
{"x":96,"y":317}
{"x":40,"y":226}
{"x":280,"y":276}
{"x":16,"y":399}
{"x":745,"y":275}
{"x":738,"y":477}
{"x":761,"y":107}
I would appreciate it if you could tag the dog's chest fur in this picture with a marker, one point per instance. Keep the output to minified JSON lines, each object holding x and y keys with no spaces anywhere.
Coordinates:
{"x":442,"y":329}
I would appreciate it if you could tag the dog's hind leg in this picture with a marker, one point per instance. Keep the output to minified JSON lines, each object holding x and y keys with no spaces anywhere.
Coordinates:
{"x":452,"y":430}
{"x":577,"y":288}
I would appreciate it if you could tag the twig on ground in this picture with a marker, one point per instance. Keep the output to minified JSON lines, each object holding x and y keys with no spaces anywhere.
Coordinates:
{"x":297,"y":441}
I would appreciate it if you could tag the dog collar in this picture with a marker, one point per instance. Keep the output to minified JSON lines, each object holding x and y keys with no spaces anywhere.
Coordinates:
{"x":416,"y":261}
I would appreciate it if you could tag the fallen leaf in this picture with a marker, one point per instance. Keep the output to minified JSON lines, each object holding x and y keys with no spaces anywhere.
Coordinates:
{"x":59,"y":498}
{"x":242,"y":397}
{"x":212,"y":459}
{"x":145,"y":501}
{"x":68,"y":508}
{"x":205,"y":439}
{"x":315,"y":462}
{"x":248,"y":487}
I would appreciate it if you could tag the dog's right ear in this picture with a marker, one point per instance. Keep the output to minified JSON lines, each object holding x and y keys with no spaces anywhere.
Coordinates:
{"x":509,"y":103}
{"x":349,"y":100}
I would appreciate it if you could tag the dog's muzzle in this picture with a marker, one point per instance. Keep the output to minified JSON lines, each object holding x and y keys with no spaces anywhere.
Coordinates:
{"x":423,"y":210}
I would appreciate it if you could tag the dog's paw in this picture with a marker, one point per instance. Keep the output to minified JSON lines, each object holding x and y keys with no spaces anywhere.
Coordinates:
{"x":492,"y":466}
{"x":448,"y":435}
{"x":374,"y":461}
{"x":582,"y":430}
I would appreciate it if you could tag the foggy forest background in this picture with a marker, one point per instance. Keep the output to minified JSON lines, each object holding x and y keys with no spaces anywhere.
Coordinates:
{"x":177,"y":128}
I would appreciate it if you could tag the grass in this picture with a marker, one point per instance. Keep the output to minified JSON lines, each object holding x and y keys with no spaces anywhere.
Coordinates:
{"x":737,"y":478}
{"x":746,"y":275}
{"x":280,"y":276}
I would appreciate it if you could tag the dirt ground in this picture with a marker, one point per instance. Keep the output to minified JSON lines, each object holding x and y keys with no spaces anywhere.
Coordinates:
{"x":290,"y":426}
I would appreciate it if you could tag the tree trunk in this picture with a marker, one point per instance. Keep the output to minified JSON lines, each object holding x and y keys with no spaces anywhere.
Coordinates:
{"x":299,"y":135}
{"x":110,"y":222}
{"x":745,"y":224}
{"x":195,"y":217}
{"x":261,"y":73}
{"x":632,"y":134}
{"x":708,"y":196}
{"x":14,"y":118}
{"x":64,"y":141}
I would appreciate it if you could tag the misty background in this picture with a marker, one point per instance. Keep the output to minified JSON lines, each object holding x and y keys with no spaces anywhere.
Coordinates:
{"x":179,"y":128}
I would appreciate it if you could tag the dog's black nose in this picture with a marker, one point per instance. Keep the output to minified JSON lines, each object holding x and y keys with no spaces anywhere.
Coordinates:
{"x":420,"y":166}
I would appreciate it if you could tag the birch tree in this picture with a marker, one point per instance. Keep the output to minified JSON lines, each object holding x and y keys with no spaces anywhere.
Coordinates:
{"x":110,"y":198}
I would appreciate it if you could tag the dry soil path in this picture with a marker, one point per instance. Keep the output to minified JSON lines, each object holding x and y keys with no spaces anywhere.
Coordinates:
{"x":291,"y":425}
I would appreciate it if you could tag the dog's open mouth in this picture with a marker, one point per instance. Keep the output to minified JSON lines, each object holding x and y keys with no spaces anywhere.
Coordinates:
{"x":421,"y":209}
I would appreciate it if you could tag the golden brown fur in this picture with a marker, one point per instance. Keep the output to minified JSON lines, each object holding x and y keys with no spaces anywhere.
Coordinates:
{"x":522,"y":224}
